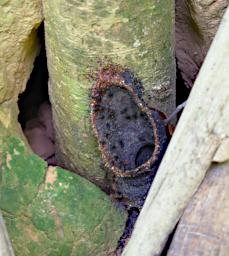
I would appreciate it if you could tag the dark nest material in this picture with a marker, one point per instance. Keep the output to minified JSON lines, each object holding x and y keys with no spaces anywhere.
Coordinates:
{"x":132,"y":137}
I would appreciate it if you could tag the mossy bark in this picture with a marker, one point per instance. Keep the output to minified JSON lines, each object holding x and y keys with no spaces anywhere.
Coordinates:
{"x":46,"y":211}
{"x":80,"y":35}
{"x":53,"y":212}
{"x":18,"y":45}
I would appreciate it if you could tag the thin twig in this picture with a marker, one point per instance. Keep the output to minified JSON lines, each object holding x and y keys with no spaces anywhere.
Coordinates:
{"x":177,"y":110}
{"x":6,"y":248}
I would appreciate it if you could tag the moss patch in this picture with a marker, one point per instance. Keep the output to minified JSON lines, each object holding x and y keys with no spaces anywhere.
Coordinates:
{"x":53,"y":212}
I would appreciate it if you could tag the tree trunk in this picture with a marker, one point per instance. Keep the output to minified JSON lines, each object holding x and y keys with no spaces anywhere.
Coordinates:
{"x":81,"y":37}
{"x":50,"y":211}
{"x":47,"y":211}
{"x":19,"y":46}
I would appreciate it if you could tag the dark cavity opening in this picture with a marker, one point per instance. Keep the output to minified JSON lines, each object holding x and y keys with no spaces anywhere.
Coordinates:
{"x":182,"y":91}
{"x":124,"y":129}
{"x":144,"y":154}
{"x":35,"y":113}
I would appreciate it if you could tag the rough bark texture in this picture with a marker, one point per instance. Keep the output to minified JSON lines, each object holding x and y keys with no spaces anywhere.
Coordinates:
{"x":133,"y":34}
{"x":196,"y":24}
{"x":51,"y":211}
{"x":18,"y":45}
{"x":204,"y":227}
{"x":47,"y":212}
{"x":202,"y":129}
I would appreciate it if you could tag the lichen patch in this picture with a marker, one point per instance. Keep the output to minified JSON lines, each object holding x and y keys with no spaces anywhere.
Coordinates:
{"x":51,"y":175}
{"x":32,"y":234}
{"x":58,"y":222}
{"x":8,"y":159}
{"x":16,"y":152}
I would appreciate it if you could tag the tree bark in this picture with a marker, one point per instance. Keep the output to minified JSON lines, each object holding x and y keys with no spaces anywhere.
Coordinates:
{"x":19,"y":45}
{"x":196,"y":26}
{"x":204,"y":227}
{"x":50,"y":211}
{"x":81,"y":219}
{"x":82,"y":36}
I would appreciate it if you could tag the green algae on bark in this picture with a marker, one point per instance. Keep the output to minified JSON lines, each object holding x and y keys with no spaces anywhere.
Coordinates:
{"x":133,"y":34}
{"x":8,"y":121}
{"x":53,"y":212}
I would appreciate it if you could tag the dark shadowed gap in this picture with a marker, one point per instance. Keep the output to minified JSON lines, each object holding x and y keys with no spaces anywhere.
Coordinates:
{"x":36,"y":91}
{"x":35,"y":113}
{"x":168,"y":242}
{"x":182,"y":92}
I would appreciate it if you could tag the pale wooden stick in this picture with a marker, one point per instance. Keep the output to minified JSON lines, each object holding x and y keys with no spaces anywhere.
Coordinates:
{"x":203,"y":126}
{"x":5,"y":244}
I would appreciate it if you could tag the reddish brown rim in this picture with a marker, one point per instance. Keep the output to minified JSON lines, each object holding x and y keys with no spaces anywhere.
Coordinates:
{"x":108,"y":77}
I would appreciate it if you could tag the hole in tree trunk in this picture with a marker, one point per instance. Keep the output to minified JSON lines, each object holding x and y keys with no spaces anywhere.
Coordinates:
{"x":125,"y":131}
{"x":144,"y":154}
{"x":35,"y":114}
